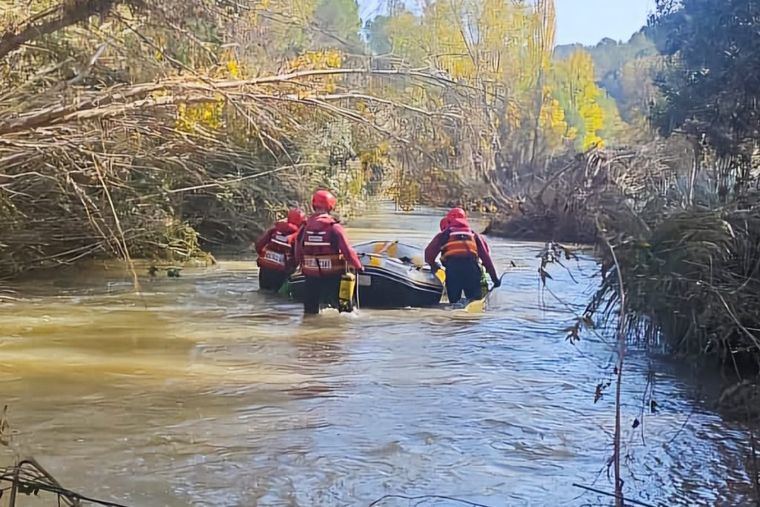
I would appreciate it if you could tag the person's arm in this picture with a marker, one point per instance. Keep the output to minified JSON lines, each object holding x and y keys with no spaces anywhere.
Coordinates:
{"x":298,"y":248}
{"x":346,"y":249}
{"x":432,"y":250}
{"x":485,"y":244}
{"x":263,"y":240}
{"x":485,"y":257}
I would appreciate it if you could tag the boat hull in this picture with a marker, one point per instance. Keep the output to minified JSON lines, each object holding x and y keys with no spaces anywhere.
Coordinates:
{"x":388,"y":281}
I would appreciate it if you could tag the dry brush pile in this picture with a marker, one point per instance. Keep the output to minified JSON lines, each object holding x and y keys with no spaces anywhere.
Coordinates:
{"x":692,"y":277}
{"x":560,"y":204}
{"x":689,"y":259}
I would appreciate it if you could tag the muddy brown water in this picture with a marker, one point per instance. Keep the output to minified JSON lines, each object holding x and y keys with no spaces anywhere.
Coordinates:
{"x":201,"y":391}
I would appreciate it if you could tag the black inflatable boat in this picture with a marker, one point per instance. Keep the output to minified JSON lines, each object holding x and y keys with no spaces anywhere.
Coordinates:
{"x":394,"y":277}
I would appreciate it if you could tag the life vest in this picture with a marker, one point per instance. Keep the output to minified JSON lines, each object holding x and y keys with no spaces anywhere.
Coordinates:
{"x":278,"y":254}
{"x":459,"y":241}
{"x":321,"y":255}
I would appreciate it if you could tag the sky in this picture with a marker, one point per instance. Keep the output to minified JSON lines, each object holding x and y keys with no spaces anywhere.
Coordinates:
{"x":589,"y":21}
{"x":584,"y":21}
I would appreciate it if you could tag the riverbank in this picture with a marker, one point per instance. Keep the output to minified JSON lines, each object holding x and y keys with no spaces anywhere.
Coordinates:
{"x":67,"y":224}
{"x":545,"y":225}
{"x":689,"y":262}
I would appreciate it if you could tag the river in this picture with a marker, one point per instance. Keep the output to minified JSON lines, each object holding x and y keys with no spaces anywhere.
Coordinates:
{"x":201,"y":391}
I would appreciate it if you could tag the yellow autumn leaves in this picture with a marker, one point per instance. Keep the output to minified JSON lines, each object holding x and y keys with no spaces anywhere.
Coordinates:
{"x":209,"y":115}
{"x":505,"y":48}
{"x":573,"y":83}
{"x":321,"y":59}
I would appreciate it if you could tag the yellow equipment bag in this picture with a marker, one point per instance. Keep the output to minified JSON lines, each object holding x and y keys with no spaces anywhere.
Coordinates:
{"x":346,"y":292}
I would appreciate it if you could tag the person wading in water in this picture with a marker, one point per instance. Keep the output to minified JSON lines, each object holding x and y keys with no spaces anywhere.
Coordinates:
{"x":324,"y":253}
{"x":275,"y":247}
{"x":461,"y":250}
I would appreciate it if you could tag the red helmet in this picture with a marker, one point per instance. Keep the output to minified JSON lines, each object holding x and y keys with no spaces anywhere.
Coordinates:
{"x":456,"y":213}
{"x":323,"y":199}
{"x":296,"y":216}
{"x":444,"y":223}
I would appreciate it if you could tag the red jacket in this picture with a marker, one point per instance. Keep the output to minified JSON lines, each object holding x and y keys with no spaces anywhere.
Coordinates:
{"x":441,"y":239}
{"x":275,"y":247}
{"x":322,"y":248}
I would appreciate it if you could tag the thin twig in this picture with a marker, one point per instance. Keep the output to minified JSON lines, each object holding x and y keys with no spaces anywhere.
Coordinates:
{"x":619,"y":501}
{"x":612,"y":495}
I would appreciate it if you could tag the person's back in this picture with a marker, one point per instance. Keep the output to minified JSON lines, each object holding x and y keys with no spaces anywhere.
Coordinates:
{"x":321,"y":256}
{"x":324,"y":253}
{"x":275,"y":248}
{"x":461,"y":249}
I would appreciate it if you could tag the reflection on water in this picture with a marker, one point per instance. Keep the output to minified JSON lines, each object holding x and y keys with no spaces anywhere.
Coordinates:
{"x":201,"y":391}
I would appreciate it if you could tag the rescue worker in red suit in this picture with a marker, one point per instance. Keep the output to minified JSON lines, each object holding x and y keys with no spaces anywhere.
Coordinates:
{"x":275,"y":247}
{"x":461,"y":249}
{"x":324,"y":254}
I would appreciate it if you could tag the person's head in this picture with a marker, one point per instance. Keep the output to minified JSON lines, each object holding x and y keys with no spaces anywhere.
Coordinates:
{"x":456,"y":213}
{"x":444,"y":223}
{"x":458,"y":223}
{"x":323,"y":201}
{"x":296,"y":216}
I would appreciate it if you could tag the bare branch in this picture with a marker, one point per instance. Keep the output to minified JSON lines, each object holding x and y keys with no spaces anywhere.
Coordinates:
{"x":63,"y":15}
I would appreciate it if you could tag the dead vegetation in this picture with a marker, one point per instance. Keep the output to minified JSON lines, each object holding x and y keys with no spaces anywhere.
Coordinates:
{"x":155,"y":129}
{"x":690,"y":257}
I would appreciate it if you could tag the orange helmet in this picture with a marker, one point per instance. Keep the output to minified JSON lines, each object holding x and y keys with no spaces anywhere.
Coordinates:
{"x":296,"y":216}
{"x":323,"y":199}
{"x":444,"y":223}
{"x":456,"y":213}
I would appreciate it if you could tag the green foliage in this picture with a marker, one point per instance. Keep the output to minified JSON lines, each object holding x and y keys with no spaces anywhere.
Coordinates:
{"x":610,"y":56}
{"x":625,"y":70}
{"x":378,"y":36}
{"x":339,"y":24}
{"x":711,"y":85}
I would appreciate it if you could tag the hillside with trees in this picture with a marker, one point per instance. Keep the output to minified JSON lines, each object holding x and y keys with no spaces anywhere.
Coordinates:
{"x":624,"y":70}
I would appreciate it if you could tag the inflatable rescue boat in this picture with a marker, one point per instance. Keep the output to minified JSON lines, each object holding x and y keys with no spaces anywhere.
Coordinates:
{"x":395,"y":276}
